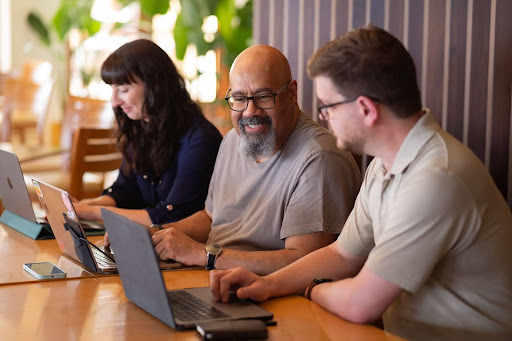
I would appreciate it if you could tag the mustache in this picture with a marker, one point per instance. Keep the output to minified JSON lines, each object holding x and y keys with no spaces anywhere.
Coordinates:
{"x":254,"y":120}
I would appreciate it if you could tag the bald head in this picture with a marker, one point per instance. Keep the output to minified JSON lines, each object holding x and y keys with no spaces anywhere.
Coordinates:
{"x":260,"y":77}
{"x":262,"y":61}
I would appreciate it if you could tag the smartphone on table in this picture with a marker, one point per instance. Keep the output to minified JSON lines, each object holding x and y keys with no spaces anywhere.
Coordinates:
{"x":44,"y":270}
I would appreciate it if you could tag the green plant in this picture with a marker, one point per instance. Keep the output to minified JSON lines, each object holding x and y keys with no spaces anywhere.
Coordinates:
{"x":234,"y":33}
{"x":70,"y":14}
{"x":76,"y":14}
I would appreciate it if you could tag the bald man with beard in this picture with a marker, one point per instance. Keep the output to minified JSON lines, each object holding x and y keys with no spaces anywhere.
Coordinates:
{"x":280,"y":188}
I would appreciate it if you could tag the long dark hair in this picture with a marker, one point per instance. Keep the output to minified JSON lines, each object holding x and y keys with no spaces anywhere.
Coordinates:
{"x":168,"y":111}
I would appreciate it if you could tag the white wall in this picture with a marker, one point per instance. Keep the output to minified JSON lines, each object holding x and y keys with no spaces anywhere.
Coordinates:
{"x":25,"y":45}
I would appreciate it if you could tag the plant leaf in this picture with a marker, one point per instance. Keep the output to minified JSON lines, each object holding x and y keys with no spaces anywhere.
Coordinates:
{"x":62,"y":21}
{"x":180,"y":37}
{"x":152,"y":7}
{"x":37,"y":25}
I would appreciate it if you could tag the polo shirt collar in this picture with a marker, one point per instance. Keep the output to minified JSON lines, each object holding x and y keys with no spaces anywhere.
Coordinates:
{"x":417,"y":137}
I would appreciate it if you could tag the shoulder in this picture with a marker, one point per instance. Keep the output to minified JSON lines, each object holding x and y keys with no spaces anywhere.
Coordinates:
{"x":202,"y":130}
{"x":312,"y":141}
{"x":439,"y":190}
{"x":231,"y":137}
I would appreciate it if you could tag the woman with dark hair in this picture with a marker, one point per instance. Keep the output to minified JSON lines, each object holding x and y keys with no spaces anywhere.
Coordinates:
{"x":169,"y":148}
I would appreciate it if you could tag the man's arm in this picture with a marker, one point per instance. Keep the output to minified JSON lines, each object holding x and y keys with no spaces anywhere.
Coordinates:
{"x":197,"y":226}
{"x":328,"y":262}
{"x":184,"y":242}
{"x":359,"y":299}
{"x":265,"y":262}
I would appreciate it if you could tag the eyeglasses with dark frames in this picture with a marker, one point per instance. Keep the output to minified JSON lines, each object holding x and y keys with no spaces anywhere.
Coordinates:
{"x":323,"y":113}
{"x":261,"y":101}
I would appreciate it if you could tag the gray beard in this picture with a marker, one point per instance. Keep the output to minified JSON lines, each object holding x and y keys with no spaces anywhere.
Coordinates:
{"x":256,"y":147}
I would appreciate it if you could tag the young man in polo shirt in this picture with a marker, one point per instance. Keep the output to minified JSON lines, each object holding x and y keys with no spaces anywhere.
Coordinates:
{"x":428,"y":244}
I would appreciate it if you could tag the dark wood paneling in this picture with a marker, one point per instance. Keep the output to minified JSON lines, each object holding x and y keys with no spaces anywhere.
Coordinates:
{"x":414,"y":41}
{"x":278,"y":7}
{"x":457,"y":68}
{"x":478,"y":81}
{"x":501,"y":101}
{"x":377,"y":13}
{"x":293,"y":38}
{"x":308,"y":50}
{"x":324,"y":26}
{"x":358,"y":14}
{"x":453,"y":70}
{"x":396,"y":19}
{"x":263,"y":30}
{"x":433,"y":93}
{"x":342,"y":19}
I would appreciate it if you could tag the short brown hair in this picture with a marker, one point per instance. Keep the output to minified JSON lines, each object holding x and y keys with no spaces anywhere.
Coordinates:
{"x":370,"y":61}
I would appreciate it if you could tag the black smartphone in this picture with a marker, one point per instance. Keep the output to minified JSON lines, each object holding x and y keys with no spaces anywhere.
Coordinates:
{"x":233,"y":330}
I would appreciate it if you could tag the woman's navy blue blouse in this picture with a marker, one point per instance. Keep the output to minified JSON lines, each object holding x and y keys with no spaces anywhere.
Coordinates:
{"x":182,"y":189}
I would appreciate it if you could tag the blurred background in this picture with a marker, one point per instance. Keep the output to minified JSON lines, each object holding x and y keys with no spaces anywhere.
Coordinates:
{"x":51,"y":52}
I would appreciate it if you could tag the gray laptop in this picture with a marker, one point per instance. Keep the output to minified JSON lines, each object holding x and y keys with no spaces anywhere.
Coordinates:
{"x":69,"y":231}
{"x":15,"y":197}
{"x":144,"y":286}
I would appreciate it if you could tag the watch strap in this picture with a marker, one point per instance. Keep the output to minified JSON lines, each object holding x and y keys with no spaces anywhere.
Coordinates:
{"x":210,"y":261}
{"x":314,"y":283}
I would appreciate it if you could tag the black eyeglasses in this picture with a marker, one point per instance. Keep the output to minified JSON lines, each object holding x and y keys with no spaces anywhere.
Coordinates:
{"x":322,"y":109}
{"x":324,"y":114}
{"x":261,"y":101}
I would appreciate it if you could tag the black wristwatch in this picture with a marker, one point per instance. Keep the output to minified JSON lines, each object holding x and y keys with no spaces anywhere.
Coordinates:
{"x":314,"y":283}
{"x":160,"y":227}
{"x":212,"y":251}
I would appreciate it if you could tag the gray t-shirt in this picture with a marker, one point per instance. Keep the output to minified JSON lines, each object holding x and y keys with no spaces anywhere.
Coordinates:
{"x":308,"y":186}
{"x":436,"y":225}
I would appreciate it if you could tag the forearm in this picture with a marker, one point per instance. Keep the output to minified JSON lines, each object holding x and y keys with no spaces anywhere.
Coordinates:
{"x":360,"y":299}
{"x":197,"y":226}
{"x":139,"y":216}
{"x":260,"y":262}
{"x":326,"y":262}
{"x":103,"y":200}
{"x":341,"y":298}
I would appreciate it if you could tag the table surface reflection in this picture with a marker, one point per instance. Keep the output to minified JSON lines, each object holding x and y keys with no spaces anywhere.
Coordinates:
{"x":27,"y":153}
{"x":96,"y":307}
{"x":17,"y":249}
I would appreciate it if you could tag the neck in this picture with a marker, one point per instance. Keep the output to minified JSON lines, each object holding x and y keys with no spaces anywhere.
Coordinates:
{"x":392,"y":136}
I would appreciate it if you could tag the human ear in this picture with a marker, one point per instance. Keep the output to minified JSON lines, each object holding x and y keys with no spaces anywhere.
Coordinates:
{"x":293,"y":89}
{"x":368,"y":109}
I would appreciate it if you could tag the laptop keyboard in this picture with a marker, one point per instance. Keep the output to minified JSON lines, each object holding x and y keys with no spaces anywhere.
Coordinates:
{"x":187,"y":307}
{"x":102,"y":260}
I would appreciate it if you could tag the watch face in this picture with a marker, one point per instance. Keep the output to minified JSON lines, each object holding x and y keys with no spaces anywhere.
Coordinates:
{"x":213,"y":249}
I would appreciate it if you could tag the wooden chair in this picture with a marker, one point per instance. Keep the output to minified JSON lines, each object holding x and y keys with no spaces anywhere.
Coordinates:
{"x":37,"y":71}
{"x":25,"y":107}
{"x":94,"y":151}
{"x":95,"y":161}
{"x":84,"y":112}
{"x":3,"y":79}
{"x":80,"y":112}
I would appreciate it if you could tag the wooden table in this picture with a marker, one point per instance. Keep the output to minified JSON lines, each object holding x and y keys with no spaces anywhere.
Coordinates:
{"x":17,"y":249}
{"x":28,"y":153}
{"x":96,"y":308}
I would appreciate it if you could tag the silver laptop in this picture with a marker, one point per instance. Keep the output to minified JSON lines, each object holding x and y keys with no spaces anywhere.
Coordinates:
{"x":69,"y":232}
{"x":14,"y":193}
{"x":16,"y":199}
{"x":144,"y":286}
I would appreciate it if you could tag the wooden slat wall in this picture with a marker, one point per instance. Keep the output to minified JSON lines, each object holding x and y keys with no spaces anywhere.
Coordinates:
{"x":462,"y":50}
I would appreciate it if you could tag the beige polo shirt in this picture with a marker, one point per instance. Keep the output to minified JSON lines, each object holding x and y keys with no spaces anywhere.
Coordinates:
{"x":436,"y":225}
